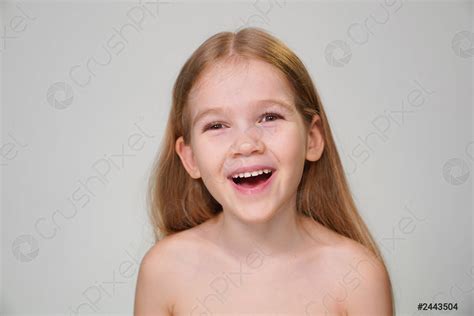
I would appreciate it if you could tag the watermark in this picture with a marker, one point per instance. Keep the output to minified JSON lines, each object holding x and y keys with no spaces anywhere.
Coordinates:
{"x":25,"y":248}
{"x":347,"y":284}
{"x":94,"y":296}
{"x":456,"y":292}
{"x":352,"y":279}
{"x":261,"y":17}
{"x":10,"y":149}
{"x":84,"y":192}
{"x":60,"y":95}
{"x":405,"y":226}
{"x":382,"y":124}
{"x":223,"y":285}
{"x":338,"y":53}
{"x":456,"y":171}
{"x":463,"y":44}
{"x":15,"y":26}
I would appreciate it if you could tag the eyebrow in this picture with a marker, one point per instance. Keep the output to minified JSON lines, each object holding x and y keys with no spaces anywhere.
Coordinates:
{"x":268,"y":102}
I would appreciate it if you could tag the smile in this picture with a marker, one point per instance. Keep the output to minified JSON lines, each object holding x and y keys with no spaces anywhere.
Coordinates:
{"x":253,"y":184}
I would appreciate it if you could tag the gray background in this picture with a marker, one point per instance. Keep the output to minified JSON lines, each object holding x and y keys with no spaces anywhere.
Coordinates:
{"x":408,"y":157}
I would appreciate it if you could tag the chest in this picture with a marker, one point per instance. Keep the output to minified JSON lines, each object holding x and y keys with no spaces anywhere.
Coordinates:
{"x":257,"y":287}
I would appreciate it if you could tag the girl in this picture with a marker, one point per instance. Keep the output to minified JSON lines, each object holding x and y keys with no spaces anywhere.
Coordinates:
{"x":251,"y":209}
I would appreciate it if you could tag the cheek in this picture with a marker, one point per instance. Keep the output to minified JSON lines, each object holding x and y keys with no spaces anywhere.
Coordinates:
{"x":288,"y":144}
{"x":209,"y":155}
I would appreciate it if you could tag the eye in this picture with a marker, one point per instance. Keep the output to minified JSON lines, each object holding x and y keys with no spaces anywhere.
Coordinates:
{"x":211,"y":126}
{"x":272,"y":114}
{"x":217,"y":125}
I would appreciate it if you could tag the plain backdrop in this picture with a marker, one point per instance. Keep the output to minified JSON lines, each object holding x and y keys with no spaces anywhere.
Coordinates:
{"x":86,"y":90}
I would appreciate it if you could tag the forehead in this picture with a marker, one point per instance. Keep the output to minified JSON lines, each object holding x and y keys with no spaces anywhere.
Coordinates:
{"x":238,"y":86}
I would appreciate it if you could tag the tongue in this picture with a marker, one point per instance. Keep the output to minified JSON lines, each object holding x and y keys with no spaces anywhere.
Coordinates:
{"x":253,"y":181}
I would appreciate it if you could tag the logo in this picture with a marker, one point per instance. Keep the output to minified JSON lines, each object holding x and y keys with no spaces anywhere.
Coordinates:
{"x":338,"y":53}
{"x":25,"y":248}
{"x":456,"y":171}
{"x":60,"y":95}
{"x":462,"y":44}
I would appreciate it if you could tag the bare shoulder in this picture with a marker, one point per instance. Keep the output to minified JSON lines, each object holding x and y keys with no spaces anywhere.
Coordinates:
{"x":362,"y":277}
{"x":351,"y":272}
{"x":160,"y":269}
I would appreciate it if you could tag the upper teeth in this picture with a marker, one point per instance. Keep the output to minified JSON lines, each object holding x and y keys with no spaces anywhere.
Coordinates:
{"x":251,"y":174}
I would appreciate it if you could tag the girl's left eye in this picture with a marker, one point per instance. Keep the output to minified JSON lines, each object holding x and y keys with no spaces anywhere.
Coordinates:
{"x":271,"y":114}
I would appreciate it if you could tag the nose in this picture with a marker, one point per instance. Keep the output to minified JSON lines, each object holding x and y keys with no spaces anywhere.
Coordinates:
{"x":248,"y":142}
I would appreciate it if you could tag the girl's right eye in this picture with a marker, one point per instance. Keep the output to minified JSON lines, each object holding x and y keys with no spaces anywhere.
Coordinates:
{"x":210,"y":126}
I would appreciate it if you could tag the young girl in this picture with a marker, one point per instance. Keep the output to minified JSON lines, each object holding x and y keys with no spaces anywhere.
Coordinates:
{"x":251,"y":209}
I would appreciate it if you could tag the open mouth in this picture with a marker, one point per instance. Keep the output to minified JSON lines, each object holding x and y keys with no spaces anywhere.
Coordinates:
{"x":253,"y":181}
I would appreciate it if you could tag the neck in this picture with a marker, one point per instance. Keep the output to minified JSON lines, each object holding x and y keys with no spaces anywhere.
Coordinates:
{"x":281,"y":235}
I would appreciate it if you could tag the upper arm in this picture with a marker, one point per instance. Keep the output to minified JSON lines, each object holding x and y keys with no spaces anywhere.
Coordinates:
{"x":372,"y":296}
{"x":152,"y":294}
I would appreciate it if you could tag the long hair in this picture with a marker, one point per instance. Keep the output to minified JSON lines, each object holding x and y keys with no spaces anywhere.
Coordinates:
{"x":178,"y":202}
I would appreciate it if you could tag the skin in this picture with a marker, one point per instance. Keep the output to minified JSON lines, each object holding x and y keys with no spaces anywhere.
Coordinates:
{"x":257,"y":256}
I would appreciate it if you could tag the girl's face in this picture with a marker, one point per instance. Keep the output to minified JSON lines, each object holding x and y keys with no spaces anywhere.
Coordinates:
{"x":243,"y":115}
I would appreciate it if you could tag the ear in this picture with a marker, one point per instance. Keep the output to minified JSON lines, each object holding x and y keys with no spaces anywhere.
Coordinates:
{"x":315,"y":143}
{"x":186,"y":155}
